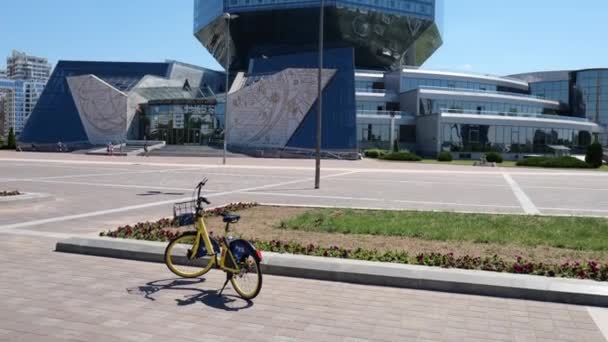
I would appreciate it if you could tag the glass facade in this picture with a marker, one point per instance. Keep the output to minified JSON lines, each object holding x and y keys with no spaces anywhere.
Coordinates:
{"x":369,"y":86}
{"x":20,"y":98}
{"x":384,"y":33}
{"x":456,"y":137}
{"x":554,"y":90}
{"x":591,"y":97}
{"x":180,"y":122}
{"x":436,"y":106}
{"x":377,"y":134}
{"x":371,"y":106}
{"x":422,"y":8}
{"x":410,"y":83}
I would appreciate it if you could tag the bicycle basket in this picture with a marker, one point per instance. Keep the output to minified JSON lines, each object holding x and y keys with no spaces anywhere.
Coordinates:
{"x":184,"y":213}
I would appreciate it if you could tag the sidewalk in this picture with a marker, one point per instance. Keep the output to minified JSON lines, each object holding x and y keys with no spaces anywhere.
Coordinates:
{"x":49,"y":296}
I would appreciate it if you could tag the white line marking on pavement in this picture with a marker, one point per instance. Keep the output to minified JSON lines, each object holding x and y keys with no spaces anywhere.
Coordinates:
{"x":152,"y":204}
{"x":242,"y":174}
{"x":388,"y":181}
{"x":112,"y":185}
{"x":524,"y":200}
{"x":26,"y":232}
{"x":262,"y":187}
{"x":363,"y":169}
{"x":459,"y":204}
{"x":65,"y":167}
{"x":380,"y":200}
{"x":281,"y":194}
{"x":600,"y":317}
{"x":305,"y":205}
{"x":94,"y":175}
{"x":564,"y":188}
{"x":576,"y":209}
{"x":91,"y":214}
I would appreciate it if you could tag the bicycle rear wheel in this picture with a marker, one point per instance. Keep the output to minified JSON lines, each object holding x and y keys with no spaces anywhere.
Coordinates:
{"x":179,"y":261}
{"x":248,"y":282}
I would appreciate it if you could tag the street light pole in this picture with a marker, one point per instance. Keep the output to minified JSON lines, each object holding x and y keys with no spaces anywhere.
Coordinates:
{"x":320,"y":97}
{"x":228,"y":18}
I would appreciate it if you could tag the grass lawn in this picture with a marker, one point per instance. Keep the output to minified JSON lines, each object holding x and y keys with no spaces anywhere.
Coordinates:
{"x":553,"y":246}
{"x":584,"y":234}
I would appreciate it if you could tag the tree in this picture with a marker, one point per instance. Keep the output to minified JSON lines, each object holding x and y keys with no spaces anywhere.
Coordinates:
{"x":594,"y":154}
{"x":12,"y":142}
{"x":1,"y":142}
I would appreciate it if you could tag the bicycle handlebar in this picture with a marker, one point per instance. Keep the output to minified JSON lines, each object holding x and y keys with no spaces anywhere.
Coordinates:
{"x":199,"y":187}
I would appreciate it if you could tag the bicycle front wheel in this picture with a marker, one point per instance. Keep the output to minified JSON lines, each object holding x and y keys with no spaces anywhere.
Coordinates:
{"x":183,"y":260}
{"x":248,"y":282}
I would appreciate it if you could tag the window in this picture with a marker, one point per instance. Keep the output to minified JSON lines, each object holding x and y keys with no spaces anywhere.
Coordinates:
{"x":474,"y":134}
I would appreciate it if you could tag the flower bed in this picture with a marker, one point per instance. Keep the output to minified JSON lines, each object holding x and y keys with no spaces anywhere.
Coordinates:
{"x":165,"y":229}
{"x":9,"y":193}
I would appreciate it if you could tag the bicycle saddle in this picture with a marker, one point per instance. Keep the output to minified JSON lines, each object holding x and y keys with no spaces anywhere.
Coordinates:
{"x":231,"y":218}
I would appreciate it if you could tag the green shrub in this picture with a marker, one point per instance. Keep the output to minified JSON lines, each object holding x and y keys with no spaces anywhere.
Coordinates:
{"x":445,"y":157}
{"x":494,"y":157}
{"x":557,"y":162}
{"x":594,"y":154}
{"x":12,"y":142}
{"x":374,"y":153}
{"x":1,"y":142}
{"x":402,"y":156}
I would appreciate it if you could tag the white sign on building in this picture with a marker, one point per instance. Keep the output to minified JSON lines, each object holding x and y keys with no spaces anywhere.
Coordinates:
{"x":178,"y":120}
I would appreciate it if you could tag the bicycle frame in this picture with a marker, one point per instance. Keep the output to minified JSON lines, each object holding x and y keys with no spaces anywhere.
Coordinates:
{"x":225,"y":253}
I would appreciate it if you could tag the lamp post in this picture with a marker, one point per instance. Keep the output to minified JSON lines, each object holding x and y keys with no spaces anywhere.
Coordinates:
{"x":320,"y":97}
{"x":228,"y":18}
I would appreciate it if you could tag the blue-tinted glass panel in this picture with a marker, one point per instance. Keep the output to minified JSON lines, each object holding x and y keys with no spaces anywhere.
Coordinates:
{"x":509,"y":139}
{"x":205,"y":11}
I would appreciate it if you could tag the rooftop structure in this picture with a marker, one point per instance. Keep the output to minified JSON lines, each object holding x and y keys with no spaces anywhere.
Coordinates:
{"x":21,"y":66}
{"x":384,"y":34}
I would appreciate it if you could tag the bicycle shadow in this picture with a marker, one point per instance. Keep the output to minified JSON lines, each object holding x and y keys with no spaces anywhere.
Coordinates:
{"x":208,"y":297}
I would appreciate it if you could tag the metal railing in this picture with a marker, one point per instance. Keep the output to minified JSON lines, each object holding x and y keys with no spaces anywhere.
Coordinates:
{"x":465,"y":73}
{"x":482,"y":91}
{"x":513,"y":114}
{"x":370,"y":90}
{"x":383,"y":112}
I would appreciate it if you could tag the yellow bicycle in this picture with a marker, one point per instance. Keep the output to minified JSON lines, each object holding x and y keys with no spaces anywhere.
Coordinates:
{"x":194,"y":253}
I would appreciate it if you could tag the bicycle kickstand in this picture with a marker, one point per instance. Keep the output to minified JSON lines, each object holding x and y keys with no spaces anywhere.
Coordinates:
{"x":225,"y":283}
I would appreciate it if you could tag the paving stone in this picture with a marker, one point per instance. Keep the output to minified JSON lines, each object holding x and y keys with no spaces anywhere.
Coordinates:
{"x":106,"y":305}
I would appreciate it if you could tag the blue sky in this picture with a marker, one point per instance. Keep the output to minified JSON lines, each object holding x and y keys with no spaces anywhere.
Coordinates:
{"x":486,"y":36}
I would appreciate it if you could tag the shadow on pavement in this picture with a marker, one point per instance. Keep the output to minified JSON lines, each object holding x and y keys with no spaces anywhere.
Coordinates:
{"x":207,"y":297}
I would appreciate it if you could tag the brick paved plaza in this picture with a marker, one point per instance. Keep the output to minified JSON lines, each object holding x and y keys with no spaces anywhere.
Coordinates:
{"x":50,"y":296}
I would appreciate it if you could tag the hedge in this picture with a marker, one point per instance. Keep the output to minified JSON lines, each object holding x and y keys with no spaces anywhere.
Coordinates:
{"x":554,"y":162}
{"x":445,"y":157}
{"x":494,"y":157}
{"x":595,"y":154}
{"x":374,"y":153}
{"x":401,"y":156}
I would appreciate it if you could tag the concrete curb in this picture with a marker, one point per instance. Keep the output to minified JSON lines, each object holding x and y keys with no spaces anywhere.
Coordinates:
{"x":25,"y":198}
{"x":570,"y":291}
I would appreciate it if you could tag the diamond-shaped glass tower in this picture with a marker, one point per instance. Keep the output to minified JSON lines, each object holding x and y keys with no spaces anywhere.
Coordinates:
{"x":384,"y":33}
